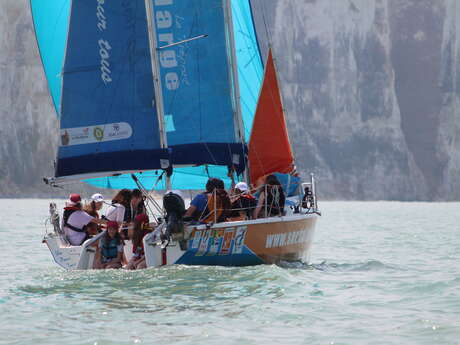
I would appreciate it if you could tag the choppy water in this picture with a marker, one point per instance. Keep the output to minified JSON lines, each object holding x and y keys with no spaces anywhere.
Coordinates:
{"x":381,"y":273}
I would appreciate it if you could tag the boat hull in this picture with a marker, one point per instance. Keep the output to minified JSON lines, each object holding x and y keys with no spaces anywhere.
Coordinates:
{"x":247,"y":243}
{"x":242,"y":243}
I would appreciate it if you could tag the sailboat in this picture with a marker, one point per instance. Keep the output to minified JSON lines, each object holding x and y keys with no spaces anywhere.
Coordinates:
{"x":162,"y":95}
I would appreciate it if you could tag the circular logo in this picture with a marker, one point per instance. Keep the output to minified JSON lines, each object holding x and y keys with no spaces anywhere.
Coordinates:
{"x":98,"y":133}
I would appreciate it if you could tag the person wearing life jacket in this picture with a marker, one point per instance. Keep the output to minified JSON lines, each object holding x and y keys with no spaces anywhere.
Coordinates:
{"x":75,"y":220}
{"x":110,"y":248}
{"x":210,"y":206}
{"x":141,"y":228}
{"x":271,"y":199}
{"x":243,"y":202}
{"x":92,"y":208}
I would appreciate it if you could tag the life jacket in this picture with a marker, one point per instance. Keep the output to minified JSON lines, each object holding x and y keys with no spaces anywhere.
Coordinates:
{"x":244,"y":203}
{"x":65,"y":217}
{"x":109,"y":249}
{"x":275,"y":200}
{"x":217,"y":207}
{"x":131,"y":213}
{"x":138,"y":251}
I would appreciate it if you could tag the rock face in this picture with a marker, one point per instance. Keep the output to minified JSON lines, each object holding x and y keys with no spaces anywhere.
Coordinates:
{"x":370,"y":89}
{"x":373,"y":85}
{"x":28,"y":125}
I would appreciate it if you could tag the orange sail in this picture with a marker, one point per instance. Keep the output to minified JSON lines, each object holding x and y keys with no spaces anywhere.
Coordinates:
{"x":269,"y":147}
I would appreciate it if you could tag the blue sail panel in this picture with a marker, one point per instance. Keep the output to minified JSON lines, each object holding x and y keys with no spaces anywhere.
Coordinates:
{"x":196,"y":81}
{"x":108,"y":117}
{"x":249,"y":61}
{"x":188,"y":178}
{"x":51,"y":21}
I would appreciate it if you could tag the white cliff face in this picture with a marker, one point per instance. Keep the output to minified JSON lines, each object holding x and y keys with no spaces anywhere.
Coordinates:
{"x":370,"y":88}
{"x":373,"y":84}
{"x":335,"y":64}
{"x":28,"y":126}
{"x":448,"y":136}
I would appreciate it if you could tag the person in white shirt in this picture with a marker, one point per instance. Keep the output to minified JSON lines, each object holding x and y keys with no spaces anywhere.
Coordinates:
{"x":75,"y":220}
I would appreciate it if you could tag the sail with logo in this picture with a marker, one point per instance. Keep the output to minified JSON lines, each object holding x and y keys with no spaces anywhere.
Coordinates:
{"x":162,"y":94}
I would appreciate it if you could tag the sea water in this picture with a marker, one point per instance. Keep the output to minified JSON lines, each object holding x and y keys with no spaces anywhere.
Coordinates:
{"x":380,"y":273}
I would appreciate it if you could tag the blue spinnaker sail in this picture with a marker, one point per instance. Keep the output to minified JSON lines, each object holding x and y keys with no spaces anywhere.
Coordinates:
{"x":249,"y":61}
{"x":51,"y":21}
{"x":196,"y":82}
{"x":108,"y":117}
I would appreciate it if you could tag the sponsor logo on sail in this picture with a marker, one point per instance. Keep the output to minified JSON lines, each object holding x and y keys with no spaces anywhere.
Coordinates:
{"x":95,"y":134}
{"x":98,"y":133}
{"x":164,"y":22}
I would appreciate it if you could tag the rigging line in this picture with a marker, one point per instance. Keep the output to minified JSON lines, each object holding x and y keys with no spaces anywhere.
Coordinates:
{"x":199,"y":91}
{"x":267,"y":30}
{"x":252,"y":45}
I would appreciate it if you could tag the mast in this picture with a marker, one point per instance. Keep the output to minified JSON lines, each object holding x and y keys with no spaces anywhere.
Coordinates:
{"x":238,"y":118}
{"x":157,"y":80}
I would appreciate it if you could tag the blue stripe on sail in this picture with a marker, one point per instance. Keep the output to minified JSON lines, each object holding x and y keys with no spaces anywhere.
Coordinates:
{"x":51,"y":21}
{"x":108,"y":121}
{"x":189,"y":178}
{"x":195,"y":75}
{"x":111,"y":161}
{"x":249,"y":61}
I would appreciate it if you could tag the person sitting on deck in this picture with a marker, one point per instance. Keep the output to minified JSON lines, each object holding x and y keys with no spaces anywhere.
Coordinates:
{"x":116,"y":211}
{"x":141,"y":226}
{"x":97,"y":201}
{"x":75,"y":221}
{"x":136,"y":206}
{"x":109,"y":251}
{"x":210,"y":206}
{"x":243,"y":202}
{"x":271,"y":204}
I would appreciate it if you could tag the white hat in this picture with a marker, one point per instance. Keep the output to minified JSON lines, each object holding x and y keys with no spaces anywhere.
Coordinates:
{"x":242,"y":186}
{"x":97,"y":197}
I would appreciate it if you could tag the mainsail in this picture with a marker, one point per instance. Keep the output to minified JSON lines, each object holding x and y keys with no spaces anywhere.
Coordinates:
{"x":135,"y":99}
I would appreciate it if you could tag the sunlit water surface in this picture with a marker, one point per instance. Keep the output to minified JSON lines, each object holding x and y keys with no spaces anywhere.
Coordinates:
{"x":381,"y":273}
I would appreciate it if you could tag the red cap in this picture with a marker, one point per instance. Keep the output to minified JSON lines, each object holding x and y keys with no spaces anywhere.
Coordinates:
{"x":112,"y":224}
{"x":142,"y":218}
{"x":75,"y":198}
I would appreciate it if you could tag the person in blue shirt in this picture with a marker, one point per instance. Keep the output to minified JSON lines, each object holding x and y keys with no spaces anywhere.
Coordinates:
{"x":202,"y":206}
